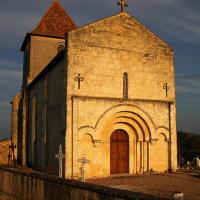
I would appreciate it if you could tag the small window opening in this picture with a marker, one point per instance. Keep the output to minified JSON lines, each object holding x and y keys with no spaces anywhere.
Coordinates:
{"x":125,"y":85}
{"x":60,"y":48}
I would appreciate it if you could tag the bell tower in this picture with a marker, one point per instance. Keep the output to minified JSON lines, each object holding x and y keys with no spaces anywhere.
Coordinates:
{"x":42,"y":44}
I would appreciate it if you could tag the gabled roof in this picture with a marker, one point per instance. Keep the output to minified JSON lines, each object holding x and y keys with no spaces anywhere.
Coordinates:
{"x":55,"y":22}
{"x":128,"y":15}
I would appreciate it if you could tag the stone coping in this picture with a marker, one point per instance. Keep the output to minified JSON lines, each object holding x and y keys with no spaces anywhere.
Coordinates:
{"x":108,"y":191}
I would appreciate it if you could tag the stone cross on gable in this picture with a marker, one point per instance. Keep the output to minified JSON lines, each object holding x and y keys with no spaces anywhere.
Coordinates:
{"x":166,"y":87}
{"x":123,"y":4}
{"x":83,"y":162}
{"x":60,"y":156}
{"x":79,"y":79}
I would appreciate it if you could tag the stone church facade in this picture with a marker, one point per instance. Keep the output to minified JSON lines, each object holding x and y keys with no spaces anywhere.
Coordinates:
{"x":108,"y":96}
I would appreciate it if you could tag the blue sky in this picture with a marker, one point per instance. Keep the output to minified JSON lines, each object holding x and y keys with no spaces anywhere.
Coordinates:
{"x":176,"y":21}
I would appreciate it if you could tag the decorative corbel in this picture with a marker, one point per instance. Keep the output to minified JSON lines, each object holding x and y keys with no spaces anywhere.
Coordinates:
{"x":97,"y":142}
{"x":167,"y":140}
{"x":153,"y":141}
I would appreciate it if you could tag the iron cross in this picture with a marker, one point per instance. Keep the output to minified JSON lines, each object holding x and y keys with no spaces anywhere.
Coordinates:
{"x":60,"y":156}
{"x":166,"y":87}
{"x":123,"y":4}
{"x":79,"y":79}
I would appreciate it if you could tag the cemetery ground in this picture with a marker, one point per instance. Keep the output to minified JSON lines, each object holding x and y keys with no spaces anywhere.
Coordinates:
{"x":160,"y":185}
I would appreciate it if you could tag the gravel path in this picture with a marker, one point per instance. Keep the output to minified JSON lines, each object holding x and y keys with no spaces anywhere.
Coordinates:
{"x":161,"y":185}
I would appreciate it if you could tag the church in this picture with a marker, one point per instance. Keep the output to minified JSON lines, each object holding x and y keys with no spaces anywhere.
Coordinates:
{"x":104,"y":91}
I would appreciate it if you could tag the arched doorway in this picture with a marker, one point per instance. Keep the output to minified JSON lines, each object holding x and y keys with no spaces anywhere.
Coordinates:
{"x":119,"y":152}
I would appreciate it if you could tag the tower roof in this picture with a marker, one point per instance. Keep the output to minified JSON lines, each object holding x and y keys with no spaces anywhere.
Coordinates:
{"x":55,"y":22}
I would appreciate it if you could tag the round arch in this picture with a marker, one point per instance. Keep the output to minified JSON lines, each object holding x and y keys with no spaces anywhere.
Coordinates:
{"x":130,"y":115}
{"x":164,"y":131}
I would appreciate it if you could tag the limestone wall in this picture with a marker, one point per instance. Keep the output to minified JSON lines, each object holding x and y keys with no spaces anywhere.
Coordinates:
{"x":16,"y":122}
{"x":31,"y":186}
{"x":101,"y":53}
{"x":146,"y":122}
{"x":42,"y":51}
{"x":47,"y":120}
{"x":4,"y":150}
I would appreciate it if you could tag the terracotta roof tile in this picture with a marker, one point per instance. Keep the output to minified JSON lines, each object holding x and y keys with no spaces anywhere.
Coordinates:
{"x":55,"y":22}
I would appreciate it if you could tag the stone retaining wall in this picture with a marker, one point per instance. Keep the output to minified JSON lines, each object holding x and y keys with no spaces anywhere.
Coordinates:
{"x":32,"y":186}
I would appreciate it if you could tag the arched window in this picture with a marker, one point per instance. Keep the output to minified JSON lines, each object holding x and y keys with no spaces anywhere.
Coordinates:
{"x":60,"y":47}
{"x":125,"y":85}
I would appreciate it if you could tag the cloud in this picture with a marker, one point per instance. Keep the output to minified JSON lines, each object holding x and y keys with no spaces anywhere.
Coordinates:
{"x":8,"y":64}
{"x":5,"y":113}
{"x":10,"y":82}
{"x":4,"y":103}
{"x":188,"y":84}
{"x":6,"y":73}
{"x":185,"y":89}
{"x":189,"y":78}
{"x":174,"y":19}
{"x":3,"y":95}
{"x":182,"y":29}
{"x":179,"y":19}
{"x":10,"y":30}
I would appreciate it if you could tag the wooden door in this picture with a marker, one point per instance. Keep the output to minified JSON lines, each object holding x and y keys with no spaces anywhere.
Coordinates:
{"x":119,"y":152}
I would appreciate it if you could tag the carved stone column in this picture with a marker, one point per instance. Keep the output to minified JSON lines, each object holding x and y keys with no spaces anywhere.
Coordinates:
{"x":144,"y":156}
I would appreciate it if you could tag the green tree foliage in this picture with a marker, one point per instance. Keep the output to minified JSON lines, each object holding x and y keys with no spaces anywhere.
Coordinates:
{"x":188,"y":145}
